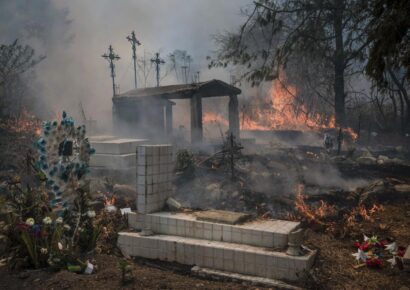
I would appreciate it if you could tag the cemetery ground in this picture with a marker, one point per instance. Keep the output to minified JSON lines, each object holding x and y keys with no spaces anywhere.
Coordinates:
{"x":334,"y":268}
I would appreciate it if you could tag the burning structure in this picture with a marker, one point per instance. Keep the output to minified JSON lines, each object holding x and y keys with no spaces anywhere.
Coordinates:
{"x":149,"y":110}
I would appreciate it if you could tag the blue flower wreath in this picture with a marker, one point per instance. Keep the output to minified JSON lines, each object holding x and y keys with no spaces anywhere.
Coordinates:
{"x":64,"y":155}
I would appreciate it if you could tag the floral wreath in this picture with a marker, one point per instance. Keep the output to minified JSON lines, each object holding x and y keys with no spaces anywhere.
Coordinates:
{"x":64,"y":155}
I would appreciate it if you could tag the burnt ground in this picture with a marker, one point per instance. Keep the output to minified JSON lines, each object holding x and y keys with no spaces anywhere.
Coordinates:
{"x":333,"y":268}
{"x":108,"y":276}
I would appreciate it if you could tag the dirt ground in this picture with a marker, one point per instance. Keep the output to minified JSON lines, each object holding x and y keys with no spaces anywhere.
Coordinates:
{"x":333,"y":268}
{"x":108,"y":276}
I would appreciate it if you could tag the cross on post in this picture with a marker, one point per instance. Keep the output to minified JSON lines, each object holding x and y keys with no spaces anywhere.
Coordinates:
{"x":111,"y":57}
{"x":134,"y":42}
{"x":158,"y":61}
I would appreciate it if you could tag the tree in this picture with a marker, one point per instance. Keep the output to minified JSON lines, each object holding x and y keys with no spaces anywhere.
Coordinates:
{"x":389,"y":38}
{"x":15,"y":60}
{"x":328,"y":31}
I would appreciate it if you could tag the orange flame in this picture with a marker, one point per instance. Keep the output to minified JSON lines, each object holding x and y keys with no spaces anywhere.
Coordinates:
{"x":210,"y":117}
{"x":109,"y":201}
{"x":25,"y":123}
{"x":312,"y":214}
{"x":281,"y":109}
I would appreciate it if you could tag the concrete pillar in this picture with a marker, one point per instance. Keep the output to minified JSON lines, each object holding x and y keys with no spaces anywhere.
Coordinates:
{"x":196,"y":119}
{"x":154,"y":177}
{"x":234,"y":116}
{"x":168,"y":119}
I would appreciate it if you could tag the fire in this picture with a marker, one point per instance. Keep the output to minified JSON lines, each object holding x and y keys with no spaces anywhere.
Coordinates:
{"x":210,"y":117}
{"x":312,"y":214}
{"x":25,"y":123}
{"x":282,"y":110}
{"x":109,"y":201}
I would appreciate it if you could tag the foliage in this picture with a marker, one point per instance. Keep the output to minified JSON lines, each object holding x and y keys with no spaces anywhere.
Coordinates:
{"x":126,"y":269}
{"x":185,"y":162}
{"x":15,"y":60}
{"x":50,"y":235}
{"x":388,"y":33}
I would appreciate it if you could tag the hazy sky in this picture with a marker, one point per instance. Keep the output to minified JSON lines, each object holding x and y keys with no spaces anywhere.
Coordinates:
{"x":78,"y":72}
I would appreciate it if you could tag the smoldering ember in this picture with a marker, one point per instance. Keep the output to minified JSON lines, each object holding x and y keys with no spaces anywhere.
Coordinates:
{"x":234,"y":144}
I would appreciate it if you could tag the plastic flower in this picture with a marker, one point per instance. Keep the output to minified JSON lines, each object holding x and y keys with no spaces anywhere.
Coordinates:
{"x":47,"y":220}
{"x":91,"y":214}
{"x":59,"y":220}
{"x":30,"y":221}
{"x":360,"y":255}
{"x":374,"y":262}
{"x":36,"y":230}
{"x":391,"y":247}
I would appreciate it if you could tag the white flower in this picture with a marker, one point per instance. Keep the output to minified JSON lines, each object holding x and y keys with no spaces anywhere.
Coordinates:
{"x":91,"y":214}
{"x":391,"y":247}
{"x":360,"y":255}
{"x":59,"y":220}
{"x":392,"y":261}
{"x":30,"y":221}
{"x":44,"y":251}
{"x":60,"y":246}
{"x":67,"y":227}
{"x":47,"y":220}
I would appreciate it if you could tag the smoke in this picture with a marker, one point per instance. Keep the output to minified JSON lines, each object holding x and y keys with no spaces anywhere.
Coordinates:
{"x":74,"y":34}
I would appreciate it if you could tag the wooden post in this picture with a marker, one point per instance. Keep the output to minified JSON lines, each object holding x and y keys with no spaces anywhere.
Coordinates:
{"x":168,"y":119}
{"x":234,"y":116}
{"x":196,"y":119}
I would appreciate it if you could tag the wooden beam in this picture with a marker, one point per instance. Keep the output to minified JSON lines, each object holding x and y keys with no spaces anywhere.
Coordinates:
{"x":234,"y":116}
{"x":196,"y":119}
{"x":168,"y":119}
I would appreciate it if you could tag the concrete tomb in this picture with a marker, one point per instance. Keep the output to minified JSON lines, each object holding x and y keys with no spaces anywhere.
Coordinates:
{"x":248,"y":247}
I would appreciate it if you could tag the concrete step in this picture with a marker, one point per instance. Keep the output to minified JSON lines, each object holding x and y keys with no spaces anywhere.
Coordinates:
{"x":260,"y":233}
{"x":230,"y":257}
{"x":114,"y":161}
{"x":116,"y":145}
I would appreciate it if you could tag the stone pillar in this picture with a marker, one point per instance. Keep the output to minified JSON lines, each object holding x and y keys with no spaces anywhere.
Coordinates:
{"x":168,"y":119}
{"x":154,"y":177}
{"x":196,"y":119}
{"x":234,"y":116}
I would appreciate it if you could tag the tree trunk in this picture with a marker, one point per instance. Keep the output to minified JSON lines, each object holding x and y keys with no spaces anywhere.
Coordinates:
{"x":339,"y":65}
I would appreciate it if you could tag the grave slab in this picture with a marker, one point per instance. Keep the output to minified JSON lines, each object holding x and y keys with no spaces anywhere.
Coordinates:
{"x":222,"y":216}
